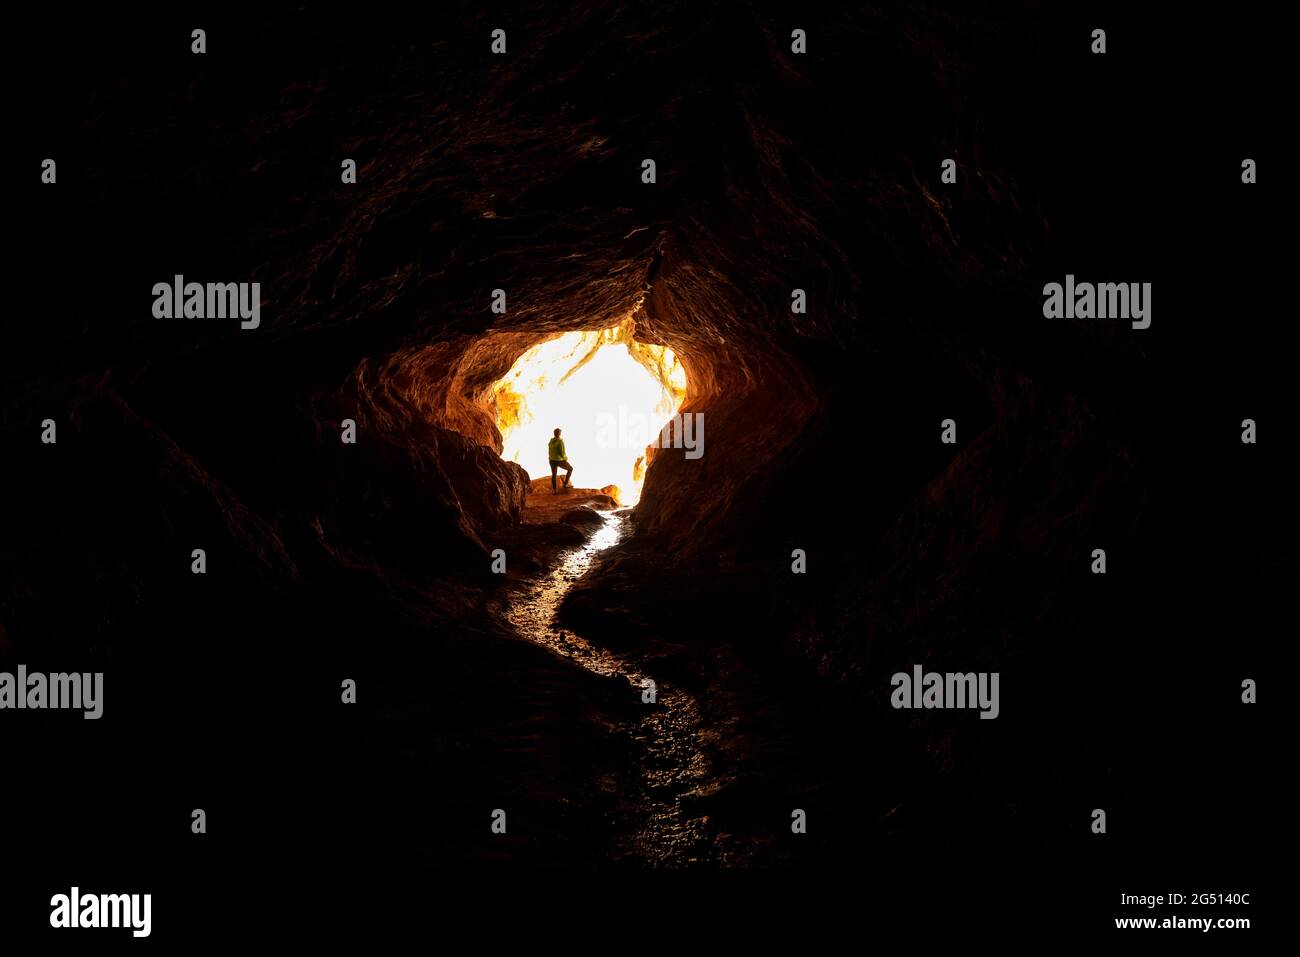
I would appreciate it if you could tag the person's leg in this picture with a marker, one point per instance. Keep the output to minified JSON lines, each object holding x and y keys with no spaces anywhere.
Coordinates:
{"x":554,"y":468}
{"x":568,"y":474}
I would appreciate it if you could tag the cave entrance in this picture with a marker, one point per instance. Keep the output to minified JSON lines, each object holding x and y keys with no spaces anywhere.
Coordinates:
{"x":609,"y":394}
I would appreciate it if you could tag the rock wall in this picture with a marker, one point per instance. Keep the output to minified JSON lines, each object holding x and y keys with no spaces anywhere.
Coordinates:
{"x":822,"y":429}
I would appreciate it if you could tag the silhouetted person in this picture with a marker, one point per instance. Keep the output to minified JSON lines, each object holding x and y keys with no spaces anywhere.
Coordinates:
{"x":555,"y":452}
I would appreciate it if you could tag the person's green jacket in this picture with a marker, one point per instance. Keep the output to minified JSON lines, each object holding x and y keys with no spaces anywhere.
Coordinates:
{"x":555,"y":448}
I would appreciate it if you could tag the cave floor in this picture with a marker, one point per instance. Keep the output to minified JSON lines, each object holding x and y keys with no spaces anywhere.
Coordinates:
{"x":718,"y":738}
{"x":666,"y":740}
{"x":543,"y":505}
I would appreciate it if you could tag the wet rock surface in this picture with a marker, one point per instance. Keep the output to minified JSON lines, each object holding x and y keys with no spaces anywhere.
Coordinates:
{"x":374,"y":560}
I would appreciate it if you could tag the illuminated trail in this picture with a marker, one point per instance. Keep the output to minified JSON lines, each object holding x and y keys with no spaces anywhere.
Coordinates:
{"x":671,"y":758}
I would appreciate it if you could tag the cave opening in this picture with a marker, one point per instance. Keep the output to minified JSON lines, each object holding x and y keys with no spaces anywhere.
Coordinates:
{"x":608,"y":393}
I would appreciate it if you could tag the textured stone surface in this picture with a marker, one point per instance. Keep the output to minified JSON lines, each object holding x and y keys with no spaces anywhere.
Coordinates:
{"x":821,"y":429}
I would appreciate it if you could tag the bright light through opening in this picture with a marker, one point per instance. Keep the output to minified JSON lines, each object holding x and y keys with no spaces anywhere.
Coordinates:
{"x":609,"y":395}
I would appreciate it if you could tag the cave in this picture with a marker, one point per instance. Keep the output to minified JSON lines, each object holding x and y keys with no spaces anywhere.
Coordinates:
{"x":852,"y":446}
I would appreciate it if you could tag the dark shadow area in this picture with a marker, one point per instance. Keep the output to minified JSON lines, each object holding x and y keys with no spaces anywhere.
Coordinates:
{"x":373,"y":561}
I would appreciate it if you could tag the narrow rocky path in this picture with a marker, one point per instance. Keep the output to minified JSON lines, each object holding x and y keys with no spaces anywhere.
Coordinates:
{"x":672,"y":754}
